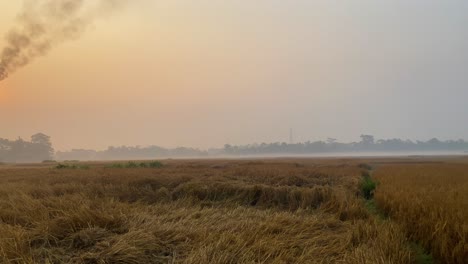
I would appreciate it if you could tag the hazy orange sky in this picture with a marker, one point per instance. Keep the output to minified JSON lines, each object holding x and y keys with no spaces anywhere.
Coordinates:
{"x":205,"y":73}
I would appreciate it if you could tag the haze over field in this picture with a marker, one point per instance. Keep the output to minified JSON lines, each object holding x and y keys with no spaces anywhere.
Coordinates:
{"x":234,"y":131}
{"x":205,"y":73}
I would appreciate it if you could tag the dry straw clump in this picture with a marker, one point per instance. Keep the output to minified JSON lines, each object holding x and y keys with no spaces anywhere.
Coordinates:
{"x":277,"y":211}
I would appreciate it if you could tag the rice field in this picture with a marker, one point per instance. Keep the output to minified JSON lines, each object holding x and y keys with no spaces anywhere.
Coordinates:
{"x":231,"y":211}
{"x":430,"y":202}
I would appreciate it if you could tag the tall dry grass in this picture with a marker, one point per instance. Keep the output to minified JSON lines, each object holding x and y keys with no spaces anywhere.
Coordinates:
{"x":291,"y":211}
{"x":430,"y":201}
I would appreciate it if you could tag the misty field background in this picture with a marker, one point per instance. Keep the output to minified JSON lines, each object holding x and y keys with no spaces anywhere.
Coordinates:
{"x":235,"y":211}
{"x":157,"y":132}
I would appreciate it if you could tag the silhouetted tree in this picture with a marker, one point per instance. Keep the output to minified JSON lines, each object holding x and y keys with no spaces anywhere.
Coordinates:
{"x":42,"y":147}
{"x":367,"y":139}
{"x":38,"y":149}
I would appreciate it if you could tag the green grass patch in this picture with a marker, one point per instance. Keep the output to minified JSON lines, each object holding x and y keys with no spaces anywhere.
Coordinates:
{"x":367,"y":186}
{"x":372,"y":207}
{"x":61,"y":166}
{"x":155,"y":164}
{"x":421,"y":257}
{"x":133,"y":165}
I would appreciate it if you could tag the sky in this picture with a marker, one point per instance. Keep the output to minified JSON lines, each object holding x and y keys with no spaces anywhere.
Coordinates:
{"x":206,"y":73}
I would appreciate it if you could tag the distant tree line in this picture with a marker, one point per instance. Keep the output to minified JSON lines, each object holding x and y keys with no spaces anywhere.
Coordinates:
{"x":367,"y":144}
{"x":125,"y":152}
{"x":331,"y":145}
{"x":39,"y":148}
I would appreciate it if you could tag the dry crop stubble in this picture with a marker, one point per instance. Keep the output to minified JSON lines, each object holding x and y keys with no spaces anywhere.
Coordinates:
{"x":275,"y":211}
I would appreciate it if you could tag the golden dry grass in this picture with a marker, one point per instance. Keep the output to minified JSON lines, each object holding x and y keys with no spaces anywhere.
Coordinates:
{"x":430,"y":201}
{"x":277,"y":211}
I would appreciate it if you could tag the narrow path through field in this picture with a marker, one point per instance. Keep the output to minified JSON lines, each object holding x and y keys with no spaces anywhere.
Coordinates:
{"x":422,"y":256}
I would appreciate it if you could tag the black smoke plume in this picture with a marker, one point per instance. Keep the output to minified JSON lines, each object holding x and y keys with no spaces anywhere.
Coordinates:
{"x":42,"y":24}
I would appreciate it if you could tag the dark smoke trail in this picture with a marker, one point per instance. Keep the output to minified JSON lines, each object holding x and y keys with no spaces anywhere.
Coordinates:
{"x":45,"y":23}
